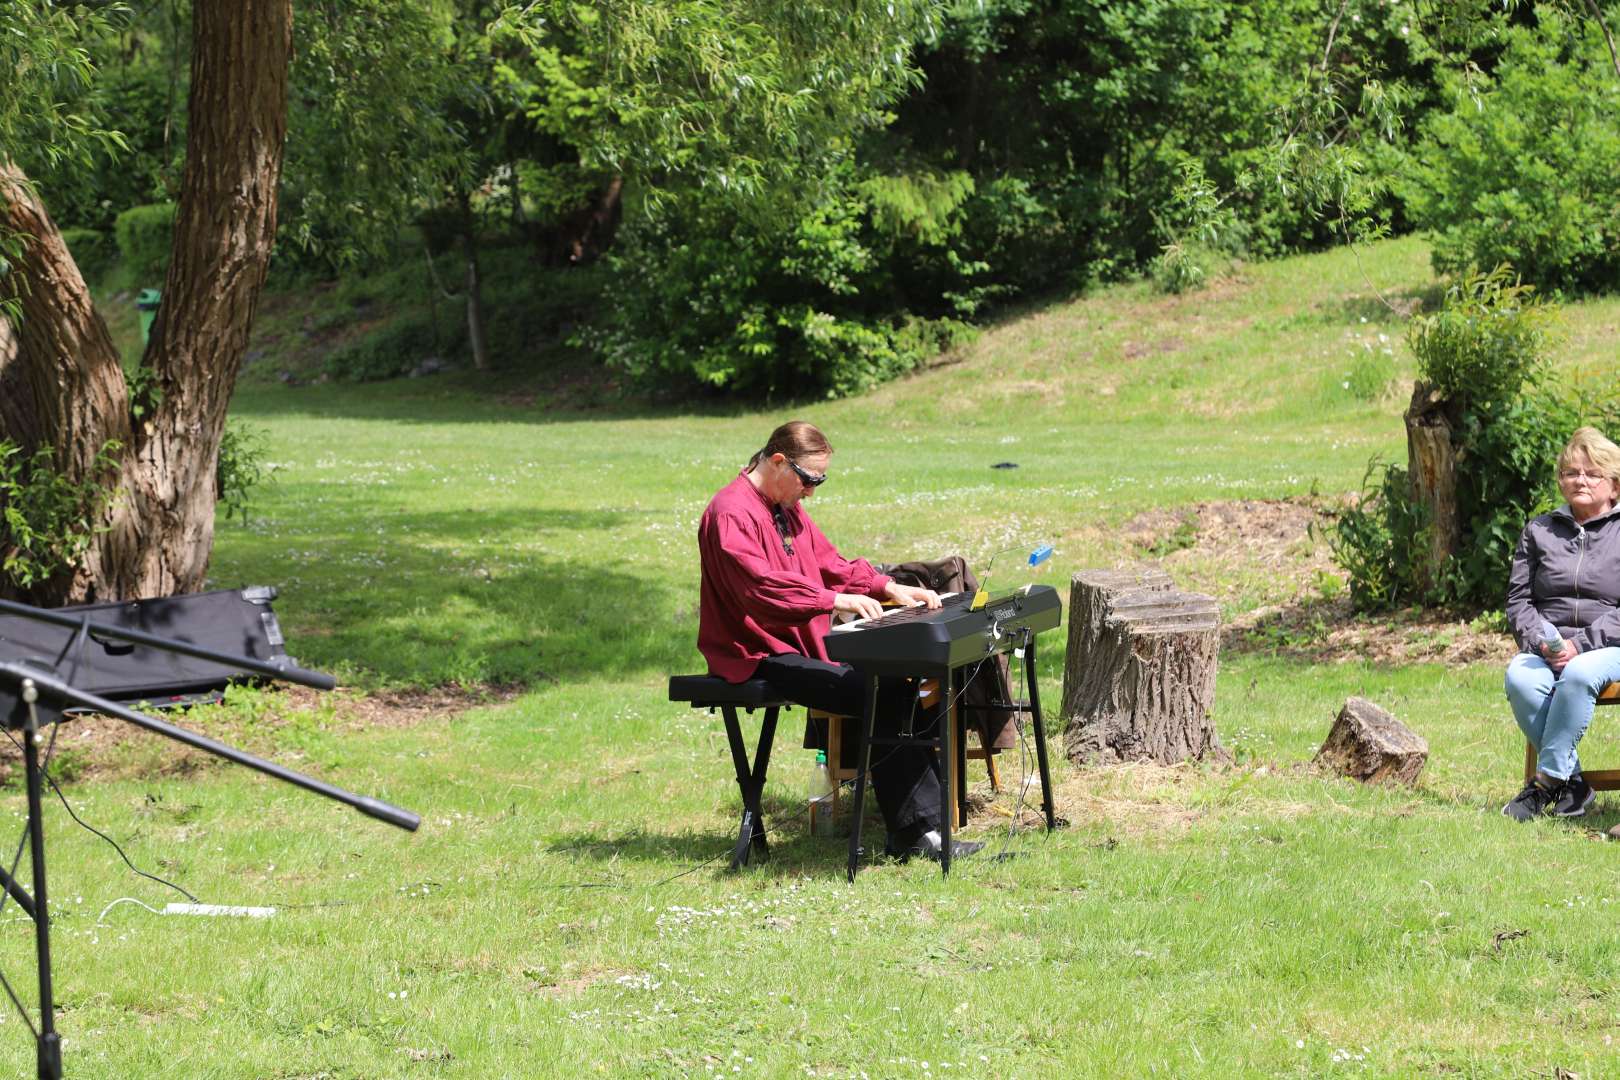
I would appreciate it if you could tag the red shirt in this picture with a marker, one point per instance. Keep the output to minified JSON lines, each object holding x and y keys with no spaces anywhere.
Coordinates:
{"x":758,"y":599}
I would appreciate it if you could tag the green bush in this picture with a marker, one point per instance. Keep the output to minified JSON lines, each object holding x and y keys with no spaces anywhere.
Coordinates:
{"x":388,"y":353}
{"x":240,"y":468}
{"x":145,"y":238}
{"x":90,"y":250}
{"x":47,"y":520}
{"x":827,"y":300}
{"x":1524,"y":171}
{"x":1483,"y":355}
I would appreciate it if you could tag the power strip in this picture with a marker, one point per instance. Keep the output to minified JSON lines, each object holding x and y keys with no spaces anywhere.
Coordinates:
{"x":219,"y":909}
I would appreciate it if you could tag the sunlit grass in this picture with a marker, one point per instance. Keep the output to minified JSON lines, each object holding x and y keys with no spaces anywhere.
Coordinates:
{"x":1255,"y":919}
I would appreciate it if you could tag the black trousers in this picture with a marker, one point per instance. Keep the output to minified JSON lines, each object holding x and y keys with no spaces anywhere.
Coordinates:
{"x":905,"y":778}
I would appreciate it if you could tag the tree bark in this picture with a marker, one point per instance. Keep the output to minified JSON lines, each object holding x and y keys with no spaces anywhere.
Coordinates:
{"x":73,"y":395}
{"x":589,"y":230}
{"x":1432,"y":474}
{"x":1368,"y":744}
{"x":1140,"y":673}
{"x":472,"y":286}
{"x":64,"y":381}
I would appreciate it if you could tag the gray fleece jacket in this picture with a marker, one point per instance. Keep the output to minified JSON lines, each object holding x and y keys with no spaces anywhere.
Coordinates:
{"x":1568,"y":574}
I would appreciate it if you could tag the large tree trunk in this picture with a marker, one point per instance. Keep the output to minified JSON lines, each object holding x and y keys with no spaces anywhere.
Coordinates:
{"x":1432,"y":474}
{"x":64,"y":386}
{"x":160,"y":531}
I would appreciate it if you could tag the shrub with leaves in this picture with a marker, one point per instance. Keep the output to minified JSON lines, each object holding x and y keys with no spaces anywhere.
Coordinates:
{"x":1523,"y":169}
{"x":47,"y":520}
{"x":1484,"y":356}
{"x":241,"y":468}
{"x":145,"y":236}
{"x":830,"y":298}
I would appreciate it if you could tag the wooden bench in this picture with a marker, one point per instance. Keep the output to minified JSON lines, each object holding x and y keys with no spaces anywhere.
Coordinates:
{"x":1600,"y":779}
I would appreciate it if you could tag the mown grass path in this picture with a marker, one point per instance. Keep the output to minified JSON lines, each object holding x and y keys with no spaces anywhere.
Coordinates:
{"x":564,"y":910}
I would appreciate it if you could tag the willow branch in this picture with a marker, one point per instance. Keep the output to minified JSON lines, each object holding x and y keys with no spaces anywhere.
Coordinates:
{"x":1597,"y":17}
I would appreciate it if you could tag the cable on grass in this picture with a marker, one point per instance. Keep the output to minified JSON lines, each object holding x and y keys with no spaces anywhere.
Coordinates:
{"x":100,"y":919}
{"x":91,"y":828}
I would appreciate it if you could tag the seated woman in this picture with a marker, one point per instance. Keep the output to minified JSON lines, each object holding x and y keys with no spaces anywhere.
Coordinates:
{"x":1566,"y":572}
{"x":771,"y":582}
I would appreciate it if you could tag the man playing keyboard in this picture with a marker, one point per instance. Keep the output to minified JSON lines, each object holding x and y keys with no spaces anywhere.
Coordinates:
{"x":771,"y":582}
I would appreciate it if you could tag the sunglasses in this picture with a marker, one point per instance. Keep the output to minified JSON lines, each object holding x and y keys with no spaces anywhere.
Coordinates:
{"x":809,"y":480}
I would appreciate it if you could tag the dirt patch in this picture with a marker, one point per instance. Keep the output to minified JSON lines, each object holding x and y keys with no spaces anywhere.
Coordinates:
{"x":1222,"y":547}
{"x":1133,"y":350}
{"x":1271,"y":532}
{"x":90,"y":747}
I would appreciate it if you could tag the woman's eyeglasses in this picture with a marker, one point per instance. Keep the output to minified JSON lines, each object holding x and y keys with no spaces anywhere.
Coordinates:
{"x":1582,"y":474}
{"x":809,"y":480}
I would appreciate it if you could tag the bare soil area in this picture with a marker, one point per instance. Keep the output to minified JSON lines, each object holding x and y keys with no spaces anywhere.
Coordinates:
{"x":106,"y":747}
{"x":1208,"y":546}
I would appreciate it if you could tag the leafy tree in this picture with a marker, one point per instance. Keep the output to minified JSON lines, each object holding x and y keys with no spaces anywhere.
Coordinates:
{"x":368,"y":134}
{"x":750,"y":260}
{"x":61,"y":382}
{"x":1080,"y":121}
{"x":751,"y":96}
{"x":1523,"y":168}
{"x":831,"y":299}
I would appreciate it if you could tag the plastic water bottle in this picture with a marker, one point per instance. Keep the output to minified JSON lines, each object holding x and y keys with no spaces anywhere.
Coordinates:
{"x":820,"y":797}
{"x":1552,"y":642}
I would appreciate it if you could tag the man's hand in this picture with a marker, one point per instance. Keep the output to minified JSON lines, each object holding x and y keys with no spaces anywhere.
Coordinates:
{"x":911,"y":596}
{"x":1558,"y":661}
{"x":862,"y":607}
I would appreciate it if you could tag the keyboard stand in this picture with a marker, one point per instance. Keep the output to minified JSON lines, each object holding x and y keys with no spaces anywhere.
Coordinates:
{"x":950,"y":750}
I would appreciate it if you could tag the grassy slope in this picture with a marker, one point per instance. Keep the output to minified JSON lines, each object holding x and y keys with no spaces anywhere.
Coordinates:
{"x":1252,"y":921}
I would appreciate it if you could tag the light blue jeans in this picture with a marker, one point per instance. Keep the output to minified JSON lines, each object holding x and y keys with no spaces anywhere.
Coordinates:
{"x":1553,"y":711}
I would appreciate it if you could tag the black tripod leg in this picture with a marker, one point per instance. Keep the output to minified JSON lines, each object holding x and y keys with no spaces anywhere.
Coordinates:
{"x":50,"y":1043}
{"x":17,"y":892}
{"x":1040,"y":734}
{"x":863,"y":762}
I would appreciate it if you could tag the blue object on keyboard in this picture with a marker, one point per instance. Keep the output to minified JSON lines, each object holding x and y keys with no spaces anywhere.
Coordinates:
{"x":1040,"y":554}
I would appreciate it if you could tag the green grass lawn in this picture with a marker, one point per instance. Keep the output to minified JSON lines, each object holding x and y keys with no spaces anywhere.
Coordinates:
{"x":565,"y":910}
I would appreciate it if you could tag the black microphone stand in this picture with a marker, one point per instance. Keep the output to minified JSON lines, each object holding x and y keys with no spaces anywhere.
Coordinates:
{"x":33,"y":696}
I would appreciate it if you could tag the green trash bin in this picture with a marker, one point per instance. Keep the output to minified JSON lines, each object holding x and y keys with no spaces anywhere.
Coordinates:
{"x":147,"y":304}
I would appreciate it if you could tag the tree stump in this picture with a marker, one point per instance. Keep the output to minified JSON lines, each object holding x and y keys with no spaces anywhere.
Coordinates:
{"x":1140,"y":673}
{"x":1370,"y":745}
{"x":1431,"y":463}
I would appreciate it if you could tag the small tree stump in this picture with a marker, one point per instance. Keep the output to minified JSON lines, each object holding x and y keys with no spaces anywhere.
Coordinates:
{"x":1431,"y":464}
{"x":1370,"y":745}
{"x":1140,"y":673}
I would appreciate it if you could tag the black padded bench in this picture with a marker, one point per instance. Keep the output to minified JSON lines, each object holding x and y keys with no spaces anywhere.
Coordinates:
{"x":712,"y":692}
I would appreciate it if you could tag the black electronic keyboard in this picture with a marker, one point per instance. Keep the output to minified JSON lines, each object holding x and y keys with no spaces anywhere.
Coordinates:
{"x":915,"y":641}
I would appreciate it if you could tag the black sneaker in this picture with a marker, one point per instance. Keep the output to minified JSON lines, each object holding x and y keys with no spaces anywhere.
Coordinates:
{"x":1532,"y":802}
{"x":1575,"y":797}
{"x":929,"y":845}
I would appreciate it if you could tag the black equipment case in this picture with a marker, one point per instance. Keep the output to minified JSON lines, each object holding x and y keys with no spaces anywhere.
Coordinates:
{"x":236,"y":621}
